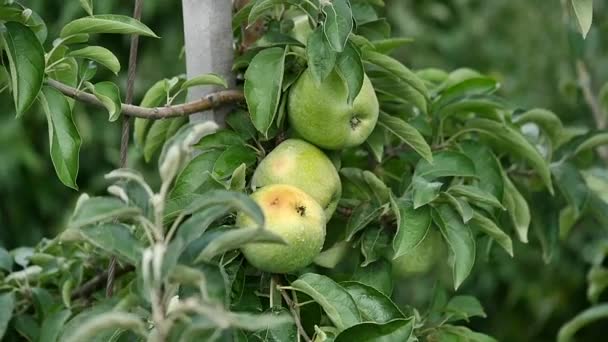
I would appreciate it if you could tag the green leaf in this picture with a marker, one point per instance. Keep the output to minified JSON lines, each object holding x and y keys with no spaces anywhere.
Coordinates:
{"x":446,"y":164}
{"x":100,"y":55}
{"x":462,"y":206}
{"x":53,"y":325}
{"x":6,"y":260}
{"x":466,"y":88}
{"x":64,"y":139}
{"x":377,"y":275}
{"x":464,"y":307}
{"x":518,"y":209}
{"x":583,"y":10}
{"x":373,"y":305}
{"x":475,"y":194}
{"x":375,"y":142}
{"x":394,"y":67}
{"x":490,"y":228}
{"x":195,"y":174}
{"x":279,"y":333}
{"x":567,"y":331}
{"x":489,"y":171}
{"x":412,"y":225}
{"x":109,"y":94}
{"x":572,"y":185}
{"x":374,"y":242}
{"x":263,"y":80}
{"x":386,"y":46}
{"x":107,"y":23}
{"x":115,"y":239}
{"x":207,"y":79}
{"x":273,"y":38}
{"x":547,"y":120}
{"x":321,"y":58}
{"x":100,"y":209}
{"x":398,"y":330}
{"x":408,"y":134}
{"x":219,"y":140}
{"x":449,"y":332}
{"x":159,"y":132}
{"x":7,"y":305}
{"x":154,"y":97}
{"x":592,"y":142}
{"x":361,"y":217}
{"x":233,"y":239}
{"x":424,"y":192}
{"x":330,"y":257}
{"x":234,"y":200}
{"x":258,"y":9}
{"x":338,"y":23}
{"x":460,"y":240}
{"x":96,"y":324}
{"x":231,"y":158}
{"x":337,"y":303}
{"x":350,"y":68}
{"x":26,"y":64}
{"x":87,"y":5}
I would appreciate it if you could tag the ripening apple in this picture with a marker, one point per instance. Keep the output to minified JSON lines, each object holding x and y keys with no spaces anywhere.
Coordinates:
{"x":321,"y":114}
{"x":421,"y":258}
{"x":301,"y":164}
{"x":293,"y":215}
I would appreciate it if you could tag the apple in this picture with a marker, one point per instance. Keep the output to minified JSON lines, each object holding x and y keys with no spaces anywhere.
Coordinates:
{"x":422,"y":257}
{"x":321,"y":114}
{"x":293,"y":215}
{"x":301,"y":164}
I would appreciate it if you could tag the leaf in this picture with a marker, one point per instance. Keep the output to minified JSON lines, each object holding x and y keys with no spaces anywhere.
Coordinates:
{"x":115,"y":239}
{"x":462,"y":206}
{"x":273,"y":38}
{"x":109,"y":95}
{"x":412,"y":225}
{"x":518,"y":210}
{"x":386,"y":46}
{"x":64,"y":139}
{"x":466,"y":88}
{"x":100,"y":55}
{"x":572,"y":185}
{"x":236,"y":238}
{"x":446,"y":164}
{"x":234,"y":200}
{"x":449,"y":332}
{"x":362,"y":216}
{"x":373,"y":304}
{"x":492,"y":230}
{"x":279,"y":333}
{"x":231,"y":158}
{"x":374,"y":242}
{"x":107,"y":23}
{"x":196,"y":173}
{"x":219,"y":140}
{"x":87,"y":5}
{"x":567,"y":331}
{"x":465,"y":307}
{"x":592,"y":142}
{"x":53,"y":325}
{"x":7,"y":305}
{"x":408,"y":134}
{"x":424,"y":192}
{"x":375,"y":143}
{"x":487,"y":167}
{"x":263,"y":80}
{"x":100,"y":209}
{"x":377,"y":275}
{"x":96,"y":324}
{"x":6,"y":260}
{"x":26,"y":64}
{"x":398,"y":330}
{"x":475,"y":194}
{"x":337,"y":303}
{"x":460,"y":240}
{"x":583,"y":9}
{"x":547,"y":120}
{"x":321,"y":58}
{"x":514,"y":142}
{"x":338,"y":23}
{"x":350,"y":68}
{"x":159,"y":132}
{"x":395,"y":68}
{"x":207,"y":79}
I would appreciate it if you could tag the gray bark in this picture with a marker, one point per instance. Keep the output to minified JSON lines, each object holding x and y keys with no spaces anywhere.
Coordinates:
{"x":209,"y":47}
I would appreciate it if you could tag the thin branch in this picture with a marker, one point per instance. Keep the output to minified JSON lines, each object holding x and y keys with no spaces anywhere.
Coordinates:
{"x":294,"y":312}
{"x":209,"y":101}
{"x":584,"y":80}
{"x":98,"y":282}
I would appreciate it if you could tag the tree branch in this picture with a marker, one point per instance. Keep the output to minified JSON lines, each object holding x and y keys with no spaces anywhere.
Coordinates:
{"x":98,"y":282}
{"x":210,"y":101}
{"x":294,"y":312}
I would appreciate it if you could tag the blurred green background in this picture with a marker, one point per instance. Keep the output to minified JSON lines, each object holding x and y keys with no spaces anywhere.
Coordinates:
{"x":530,"y":46}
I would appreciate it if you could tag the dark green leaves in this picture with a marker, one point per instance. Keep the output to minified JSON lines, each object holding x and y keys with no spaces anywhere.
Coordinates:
{"x":107,"y":24}
{"x":100,"y":209}
{"x":100,"y":55}
{"x":460,"y":240}
{"x":583,"y":10}
{"x":412,"y":225}
{"x":114,"y":239}
{"x":207,"y":79}
{"x":408,"y":134}
{"x":350,"y":68}
{"x":594,"y":313}
{"x":26,"y":63}
{"x":338,"y":23}
{"x":53,"y":325}
{"x":7,"y":304}
{"x":64,"y":139}
{"x":464,"y":307}
{"x":109,"y":95}
{"x":333,"y":298}
{"x":518,"y":210}
{"x":321,"y":57}
{"x":263,"y":81}
{"x":397,"y":330}
{"x":446,"y":164}
{"x":373,"y":304}
{"x":236,"y":238}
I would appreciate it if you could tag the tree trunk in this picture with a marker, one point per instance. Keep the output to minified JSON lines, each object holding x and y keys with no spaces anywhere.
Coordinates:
{"x":209,"y":47}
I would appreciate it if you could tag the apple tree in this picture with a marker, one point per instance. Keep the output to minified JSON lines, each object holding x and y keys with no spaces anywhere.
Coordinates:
{"x":336,"y":175}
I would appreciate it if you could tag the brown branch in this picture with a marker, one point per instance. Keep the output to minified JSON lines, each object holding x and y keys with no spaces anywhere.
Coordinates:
{"x":98,"y":282}
{"x":209,"y":101}
{"x":599,"y":116}
{"x":294,"y":312}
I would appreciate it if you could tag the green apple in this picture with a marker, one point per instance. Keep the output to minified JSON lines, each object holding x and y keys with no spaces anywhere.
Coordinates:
{"x":301,"y":164}
{"x":321,"y":114}
{"x":293,"y":215}
{"x":422,"y":257}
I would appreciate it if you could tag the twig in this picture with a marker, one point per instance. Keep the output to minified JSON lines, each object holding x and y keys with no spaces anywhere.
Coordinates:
{"x":600,"y":117}
{"x":209,"y":101}
{"x":294,"y":312}
{"x":98,"y":282}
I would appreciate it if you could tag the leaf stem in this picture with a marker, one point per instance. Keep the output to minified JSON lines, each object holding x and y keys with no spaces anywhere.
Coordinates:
{"x":292,"y":309}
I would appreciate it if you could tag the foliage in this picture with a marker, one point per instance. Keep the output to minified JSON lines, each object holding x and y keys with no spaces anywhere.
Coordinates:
{"x":449,"y":153}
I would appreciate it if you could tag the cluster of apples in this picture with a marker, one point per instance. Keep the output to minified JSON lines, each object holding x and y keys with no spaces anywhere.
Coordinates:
{"x":296,"y":185}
